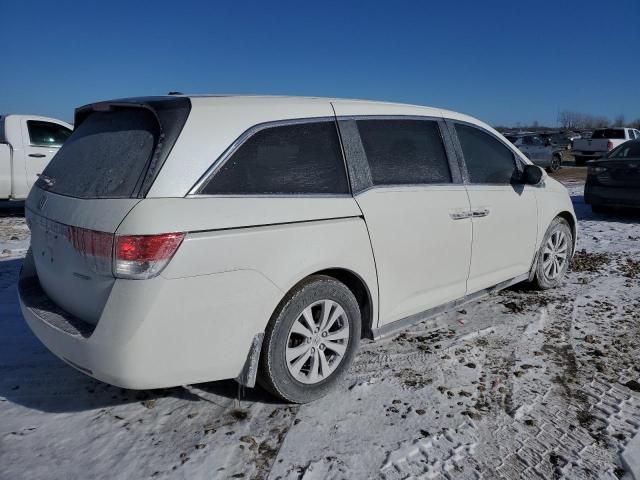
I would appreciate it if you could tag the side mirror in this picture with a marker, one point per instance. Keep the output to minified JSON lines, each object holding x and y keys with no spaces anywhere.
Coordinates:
{"x":532,"y":175}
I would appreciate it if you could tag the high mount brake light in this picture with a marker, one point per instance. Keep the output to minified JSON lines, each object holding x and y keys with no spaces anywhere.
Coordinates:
{"x":125,"y":256}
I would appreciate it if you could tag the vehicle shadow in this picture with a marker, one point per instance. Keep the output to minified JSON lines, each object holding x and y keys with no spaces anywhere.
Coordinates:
{"x":620,"y":215}
{"x":31,"y":376}
{"x":11,"y":208}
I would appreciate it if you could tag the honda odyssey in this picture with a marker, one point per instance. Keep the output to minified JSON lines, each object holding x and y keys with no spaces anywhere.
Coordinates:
{"x":184,"y":239}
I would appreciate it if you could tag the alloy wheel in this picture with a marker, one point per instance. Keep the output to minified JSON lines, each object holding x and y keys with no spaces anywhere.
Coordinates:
{"x":317,"y":341}
{"x":555,"y":254}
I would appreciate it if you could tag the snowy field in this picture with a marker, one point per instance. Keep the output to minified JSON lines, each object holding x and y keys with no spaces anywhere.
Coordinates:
{"x":521,"y":385}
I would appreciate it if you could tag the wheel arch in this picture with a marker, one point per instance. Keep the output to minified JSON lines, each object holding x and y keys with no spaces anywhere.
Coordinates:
{"x":571,"y":220}
{"x":357,"y":285}
{"x":360,"y":290}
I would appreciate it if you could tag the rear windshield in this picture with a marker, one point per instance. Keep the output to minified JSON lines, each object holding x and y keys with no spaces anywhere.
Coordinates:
{"x":105,"y":157}
{"x":626,"y":150}
{"x":616,"y":133}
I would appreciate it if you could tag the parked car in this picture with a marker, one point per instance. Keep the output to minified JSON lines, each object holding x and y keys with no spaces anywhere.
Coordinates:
{"x":27,"y":144}
{"x":265,"y":236}
{"x":538,"y":151}
{"x":602,"y":141}
{"x":614,"y":181}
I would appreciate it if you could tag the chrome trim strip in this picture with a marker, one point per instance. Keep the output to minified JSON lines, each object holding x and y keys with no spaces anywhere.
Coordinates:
{"x":403,"y":323}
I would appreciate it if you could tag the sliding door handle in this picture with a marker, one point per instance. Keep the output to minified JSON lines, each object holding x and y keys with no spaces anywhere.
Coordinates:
{"x":480,"y":213}
{"x":460,"y":215}
{"x":37,"y":155}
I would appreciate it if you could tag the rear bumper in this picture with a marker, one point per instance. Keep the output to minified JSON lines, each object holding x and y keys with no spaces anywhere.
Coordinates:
{"x":152,"y":334}
{"x":611,"y":196}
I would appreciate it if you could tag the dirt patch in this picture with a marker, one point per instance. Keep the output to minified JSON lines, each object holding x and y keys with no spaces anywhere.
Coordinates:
{"x":591,"y":262}
{"x":570,"y":174}
{"x":630,"y":268}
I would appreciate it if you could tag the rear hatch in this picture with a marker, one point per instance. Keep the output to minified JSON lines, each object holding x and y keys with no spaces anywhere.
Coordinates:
{"x":103,"y":170}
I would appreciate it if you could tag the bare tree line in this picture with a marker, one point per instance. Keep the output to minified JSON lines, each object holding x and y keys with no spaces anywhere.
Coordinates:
{"x":570,"y":120}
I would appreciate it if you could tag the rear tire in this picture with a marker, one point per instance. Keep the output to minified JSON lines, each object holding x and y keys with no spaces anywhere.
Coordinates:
{"x":554,"y":255}
{"x":310,"y":341}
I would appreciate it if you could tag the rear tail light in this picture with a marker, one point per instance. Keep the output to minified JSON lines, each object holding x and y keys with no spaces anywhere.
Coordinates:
{"x":609,"y":145}
{"x":95,"y":247}
{"x":596,"y":170}
{"x":144,"y":256}
{"x":125,"y":256}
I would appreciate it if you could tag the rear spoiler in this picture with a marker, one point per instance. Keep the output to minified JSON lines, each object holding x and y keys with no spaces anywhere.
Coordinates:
{"x":171,"y":113}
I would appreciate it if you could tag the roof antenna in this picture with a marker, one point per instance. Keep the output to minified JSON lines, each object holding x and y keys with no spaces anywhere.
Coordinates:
{"x":175,"y":93}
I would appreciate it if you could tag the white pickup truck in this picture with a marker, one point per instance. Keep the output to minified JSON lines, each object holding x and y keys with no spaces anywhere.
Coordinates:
{"x":601,"y":142}
{"x":27,"y":144}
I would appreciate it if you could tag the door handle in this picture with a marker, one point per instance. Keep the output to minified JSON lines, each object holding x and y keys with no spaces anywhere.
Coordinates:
{"x":460,"y":215}
{"x":480,"y":213}
{"x":37,"y":155}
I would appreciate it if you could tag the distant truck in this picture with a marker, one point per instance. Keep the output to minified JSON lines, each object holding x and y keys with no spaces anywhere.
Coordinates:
{"x":601,"y":142}
{"x":27,"y":144}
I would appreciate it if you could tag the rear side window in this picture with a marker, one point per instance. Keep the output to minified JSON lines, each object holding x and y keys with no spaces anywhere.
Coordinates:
{"x":404,"y":151}
{"x":47,"y":134}
{"x":105,"y":157}
{"x":488,"y":160}
{"x":288,"y":159}
{"x":616,"y":133}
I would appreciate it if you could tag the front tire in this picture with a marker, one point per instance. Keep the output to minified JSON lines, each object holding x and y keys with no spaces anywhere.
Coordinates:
{"x":554,"y":255}
{"x":310,"y":341}
{"x":556,"y":163}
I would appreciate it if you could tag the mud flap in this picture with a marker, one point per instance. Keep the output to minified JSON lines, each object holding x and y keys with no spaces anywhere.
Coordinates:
{"x":249,"y":372}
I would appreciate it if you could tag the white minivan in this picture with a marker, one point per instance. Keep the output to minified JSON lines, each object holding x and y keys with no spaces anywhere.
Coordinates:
{"x":184,"y":239}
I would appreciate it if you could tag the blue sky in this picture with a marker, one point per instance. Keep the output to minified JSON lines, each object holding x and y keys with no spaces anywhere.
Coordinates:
{"x":504,"y":62}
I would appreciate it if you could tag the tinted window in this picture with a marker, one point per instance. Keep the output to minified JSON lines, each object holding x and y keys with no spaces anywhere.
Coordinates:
{"x":617,"y":133}
{"x":404,"y":151}
{"x":528,"y":140}
{"x":626,"y":150}
{"x":47,"y":134}
{"x":105,"y":156}
{"x":488,"y":160}
{"x":297,"y":158}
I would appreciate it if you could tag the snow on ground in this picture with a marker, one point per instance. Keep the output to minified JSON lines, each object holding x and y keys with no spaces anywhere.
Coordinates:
{"x":523,"y":384}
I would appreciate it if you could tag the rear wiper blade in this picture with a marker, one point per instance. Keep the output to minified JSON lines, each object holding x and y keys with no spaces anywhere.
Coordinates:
{"x":49,"y":181}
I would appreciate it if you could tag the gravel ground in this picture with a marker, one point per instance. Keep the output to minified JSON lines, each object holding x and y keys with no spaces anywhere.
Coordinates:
{"x":523,"y":384}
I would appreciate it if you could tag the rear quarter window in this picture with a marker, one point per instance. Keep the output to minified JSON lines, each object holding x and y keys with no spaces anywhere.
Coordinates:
{"x":105,"y":157}
{"x":299,"y":158}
